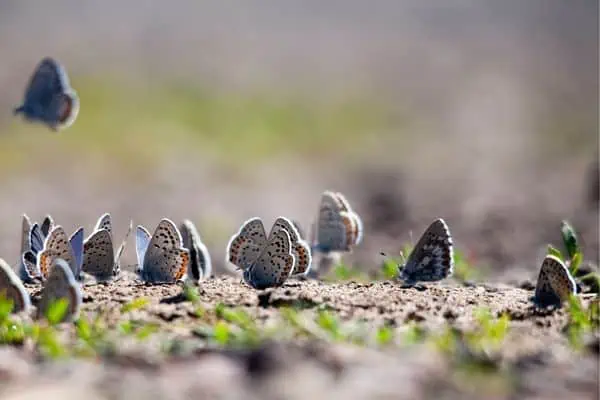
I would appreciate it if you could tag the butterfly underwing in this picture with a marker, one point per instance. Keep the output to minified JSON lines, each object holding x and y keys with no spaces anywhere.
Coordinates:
{"x":432,"y":259}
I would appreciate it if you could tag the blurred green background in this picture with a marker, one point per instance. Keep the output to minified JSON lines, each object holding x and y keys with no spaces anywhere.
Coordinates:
{"x":481,"y":112}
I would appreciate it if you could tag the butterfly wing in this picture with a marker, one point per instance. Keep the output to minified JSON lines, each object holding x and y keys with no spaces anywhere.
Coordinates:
{"x":300,"y":248}
{"x":121,"y":249}
{"x":104,"y":222}
{"x":200,"y":263}
{"x":29,"y":270}
{"x":244,"y":247}
{"x":98,"y":255}
{"x":335,"y":228}
{"x":47,"y":225}
{"x":76,"y":241}
{"x":56,"y":246}
{"x":12,"y":289}
{"x":25,"y":229}
{"x":555,"y":283}
{"x":432,"y":257}
{"x":142,"y":239}
{"x":274,"y":264}
{"x":48,"y":79}
{"x":165,"y":260}
{"x":61,"y":284}
{"x":36,"y":239}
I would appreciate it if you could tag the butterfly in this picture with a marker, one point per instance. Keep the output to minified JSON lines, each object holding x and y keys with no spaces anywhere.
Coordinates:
{"x":99,"y":258}
{"x":49,"y":98}
{"x":266,"y":261}
{"x":161,"y":257}
{"x":57,"y":246}
{"x":432,"y":259}
{"x":61,"y":284}
{"x":200,"y":265}
{"x":32,"y":242}
{"x":338,"y":227}
{"x":555,"y":283}
{"x":11,"y":288}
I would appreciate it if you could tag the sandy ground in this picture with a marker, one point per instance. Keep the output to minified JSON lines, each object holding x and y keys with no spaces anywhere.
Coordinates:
{"x":534,"y":362}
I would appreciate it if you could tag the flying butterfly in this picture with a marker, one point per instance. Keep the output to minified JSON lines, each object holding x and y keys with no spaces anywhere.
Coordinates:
{"x":11,"y":288}
{"x":49,"y":98}
{"x":99,"y":258}
{"x":61,"y":284}
{"x":432,"y":259}
{"x":555,"y":283}
{"x":161,"y":257}
{"x":266,"y":262}
{"x":200,"y":266}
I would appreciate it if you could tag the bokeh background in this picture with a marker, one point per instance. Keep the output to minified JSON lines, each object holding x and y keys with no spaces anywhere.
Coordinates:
{"x":482,"y":112}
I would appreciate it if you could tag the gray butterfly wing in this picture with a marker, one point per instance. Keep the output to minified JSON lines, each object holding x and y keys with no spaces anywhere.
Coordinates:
{"x":121,"y":248}
{"x":47,"y":225}
{"x":300,"y":248}
{"x":28,"y":270}
{"x":25,"y":229}
{"x":56,"y":246}
{"x":104,"y":222}
{"x":165,"y":259}
{"x":555,"y":283}
{"x":12,"y":289}
{"x":98,"y":255}
{"x":61,"y":284}
{"x":200,"y":263}
{"x":142,"y":240}
{"x":274,"y":264}
{"x":245,"y":246}
{"x":432,"y":257}
{"x":335,"y":230}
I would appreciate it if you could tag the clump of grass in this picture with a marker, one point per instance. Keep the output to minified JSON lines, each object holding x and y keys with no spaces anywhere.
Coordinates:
{"x":582,"y":320}
{"x":463,"y":270}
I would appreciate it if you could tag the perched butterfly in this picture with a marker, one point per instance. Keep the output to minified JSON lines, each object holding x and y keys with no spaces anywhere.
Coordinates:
{"x":161,"y":257}
{"x":32,"y":242}
{"x":555,"y":283}
{"x":11,"y":288}
{"x":61,"y":284}
{"x":432,"y":259}
{"x":266,"y":262}
{"x":56,"y":246}
{"x":200,"y":266}
{"x":338,"y":227}
{"x":49,"y":98}
{"x":99,"y":258}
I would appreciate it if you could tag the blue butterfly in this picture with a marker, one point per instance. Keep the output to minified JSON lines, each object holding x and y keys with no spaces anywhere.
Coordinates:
{"x":49,"y":98}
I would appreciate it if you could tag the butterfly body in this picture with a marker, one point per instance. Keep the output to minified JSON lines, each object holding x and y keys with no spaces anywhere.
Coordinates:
{"x":49,"y":98}
{"x":432,"y":258}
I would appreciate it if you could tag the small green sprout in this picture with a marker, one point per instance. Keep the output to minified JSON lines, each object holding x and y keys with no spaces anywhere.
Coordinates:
{"x":135,"y":304}
{"x":57,"y":311}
